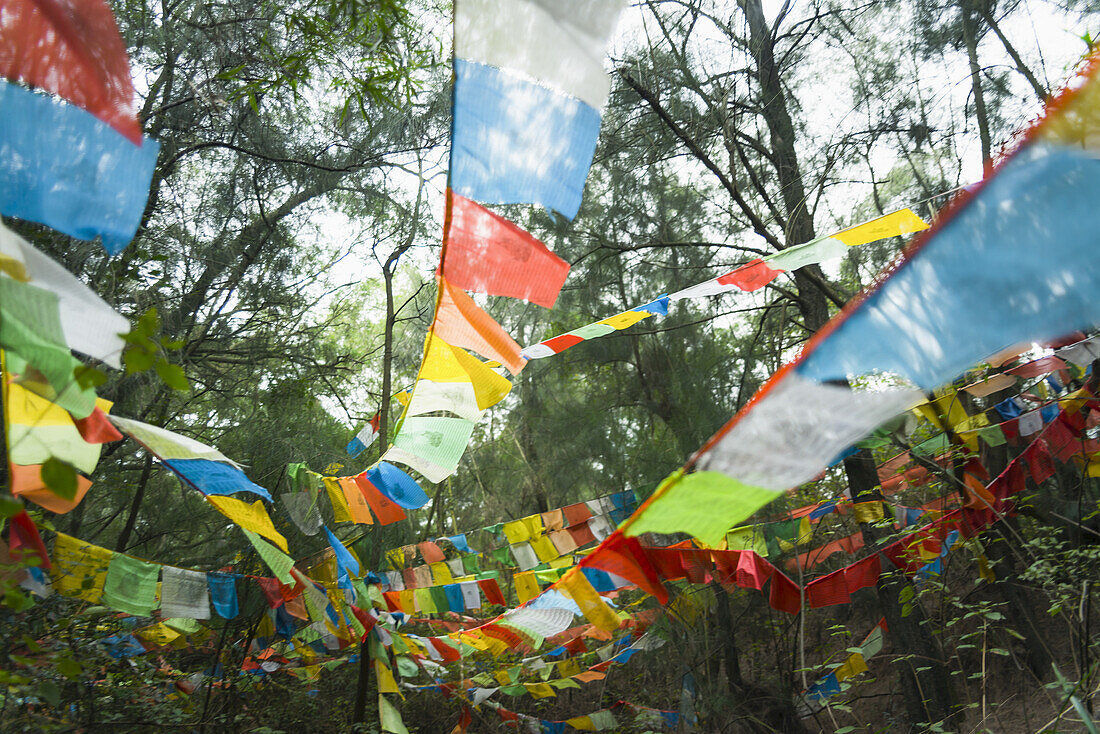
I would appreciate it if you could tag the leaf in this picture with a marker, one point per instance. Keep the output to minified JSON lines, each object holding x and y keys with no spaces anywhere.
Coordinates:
{"x":59,"y":478}
{"x":173,"y":375}
{"x":69,"y":668}
{"x":49,"y":692}
{"x":87,"y":376}
{"x":906,"y":594}
{"x":138,"y":358}
{"x":10,"y":507}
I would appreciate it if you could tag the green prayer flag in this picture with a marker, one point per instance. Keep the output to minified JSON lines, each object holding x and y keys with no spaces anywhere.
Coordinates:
{"x":440,"y":440}
{"x":30,"y":327}
{"x":704,"y":504}
{"x":808,"y":253}
{"x":992,"y":435}
{"x":933,"y":446}
{"x":776,"y":531}
{"x":516,"y":690}
{"x":471,"y":564}
{"x":439,"y":598}
{"x":407,"y":667}
{"x":390,"y":717}
{"x":279,"y":563}
{"x":565,"y":683}
{"x":131,"y":585}
{"x":503,"y":556}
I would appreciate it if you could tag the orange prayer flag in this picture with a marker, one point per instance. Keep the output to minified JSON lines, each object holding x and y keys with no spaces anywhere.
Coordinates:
{"x":462,"y":323}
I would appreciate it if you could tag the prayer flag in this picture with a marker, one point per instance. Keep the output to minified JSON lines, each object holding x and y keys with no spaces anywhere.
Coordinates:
{"x":365,"y":437}
{"x":184,"y":593}
{"x":252,"y":517}
{"x":131,"y":585}
{"x":79,"y":568}
{"x":462,"y":323}
{"x":396,"y":485}
{"x":486,"y":253}
{"x":97,"y":188}
{"x":74,"y":50}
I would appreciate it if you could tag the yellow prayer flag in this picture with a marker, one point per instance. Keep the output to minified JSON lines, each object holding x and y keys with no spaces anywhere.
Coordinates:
{"x":889,"y":225}
{"x":852,"y":667}
{"x":868,"y":511}
{"x":540,"y":690}
{"x":544,"y":549}
{"x":158,"y":634}
{"x":568,"y":668}
{"x":516,"y":531}
{"x":406,"y":601}
{"x":625,"y":319}
{"x":340,"y":510}
{"x":79,"y":568}
{"x":592,"y":606}
{"x":503,"y":678}
{"x":357,"y":505}
{"x":441,"y":573}
{"x":445,"y":363}
{"x":581,"y":723}
{"x":384,"y":676}
{"x":527,"y":587}
{"x":252,"y":517}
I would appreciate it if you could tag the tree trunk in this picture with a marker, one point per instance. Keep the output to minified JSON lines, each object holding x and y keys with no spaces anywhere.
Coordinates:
{"x":970,"y":34}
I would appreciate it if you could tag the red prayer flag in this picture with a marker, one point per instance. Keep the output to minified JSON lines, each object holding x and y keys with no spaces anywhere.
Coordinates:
{"x":624,"y":557}
{"x":1038,"y":367}
{"x":97,"y":428}
{"x":751,"y":276}
{"x":491,"y":590}
{"x":24,"y":540}
{"x":784,"y":594}
{"x":385,"y":509}
{"x":828,"y":590}
{"x":73,"y":49}
{"x":862,"y":574}
{"x":431,"y":552}
{"x":752,"y":571}
{"x":1039,"y":460}
{"x":582,"y":535}
{"x":576,"y":514}
{"x":486,"y":253}
{"x":270,"y":588}
{"x":366,"y":619}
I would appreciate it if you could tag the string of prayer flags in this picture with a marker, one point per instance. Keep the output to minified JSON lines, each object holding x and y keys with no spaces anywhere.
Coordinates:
{"x":529,"y":81}
{"x":88,"y":324}
{"x":252,"y":517}
{"x":365,"y":437}
{"x":486,"y":253}
{"x":203,"y":467}
{"x":75,"y":51}
{"x":95,"y":189}
{"x":746,"y":278}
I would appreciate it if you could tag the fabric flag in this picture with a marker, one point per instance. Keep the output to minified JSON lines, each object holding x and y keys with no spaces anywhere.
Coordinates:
{"x":74,"y":50}
{"x":517,"y":142}
{"x":930,"y":320}
{"x":279,"y":563}
{"x":251,"y":517}
{"x":358,"y":507}
{"x":131,"y":585}
{"x":201,"y":466}
{"x":462,"y":323}
{"x":303,"y":509}
{"x":223,"y":593}
{"x":97,"y":188}
{"x":385,"y":509}
{"x":184,"y":593}
{"x":88,"y":324}
{"x":389,"y":717}
{"x":38,"y":430}
{"x":678,"y":499}
{"x":438,"y":440}
{"x":344,"y":560}
{"x":365,"y":437}
{"x":79,"y":568}
{"x":453,"y":380}
{"x":396,"y":485}
{"x":25,"y":543}
{"x":592,"y":606}
{"x":486,"y":253}
{"x":30,"y":327}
